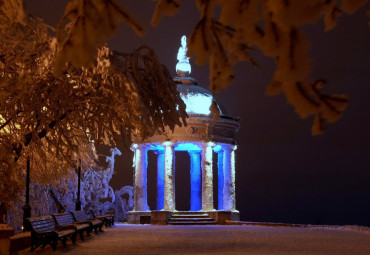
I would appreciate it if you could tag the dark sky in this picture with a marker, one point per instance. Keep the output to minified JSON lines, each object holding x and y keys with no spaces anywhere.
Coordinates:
{"x":283,"y":174}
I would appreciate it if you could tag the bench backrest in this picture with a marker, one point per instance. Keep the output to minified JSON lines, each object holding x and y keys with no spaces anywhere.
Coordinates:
{"x":63,"y":219}
{"x":42,"y":224}
{"x":80,"y":215}
{"x":97,"y":213}
{"x":93,"y":213}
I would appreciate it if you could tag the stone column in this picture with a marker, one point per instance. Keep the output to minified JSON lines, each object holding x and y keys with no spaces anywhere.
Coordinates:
{"x":160,"y":180}
{"x":220,"y":171}
{"x":169,"y":176}
{"x":207,"y":177}
{"x":195,"y":183}
{"x":229,"y":177}
{"x":141,"y":162}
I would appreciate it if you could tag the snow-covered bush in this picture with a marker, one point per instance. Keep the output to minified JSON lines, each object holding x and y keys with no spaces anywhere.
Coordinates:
{"x":61,"y":196}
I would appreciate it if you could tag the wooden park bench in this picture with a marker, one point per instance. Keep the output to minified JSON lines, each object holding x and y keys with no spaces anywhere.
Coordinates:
{"x":66,"y":219}
{"x":108,"y":219}
{"x":44,"y":232}
{"x":81,"y":216}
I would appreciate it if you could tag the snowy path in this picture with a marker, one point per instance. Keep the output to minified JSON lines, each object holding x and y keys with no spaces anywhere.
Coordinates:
{"x":146,"y":239}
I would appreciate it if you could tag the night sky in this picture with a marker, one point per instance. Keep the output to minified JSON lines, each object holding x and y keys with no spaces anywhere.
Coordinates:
{"x":283,"y":173}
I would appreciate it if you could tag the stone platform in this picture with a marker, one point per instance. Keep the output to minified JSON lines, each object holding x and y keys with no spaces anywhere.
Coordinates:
{"x":214,"y":240}
{"x":165,"y":217}
{"x":139,"y":217}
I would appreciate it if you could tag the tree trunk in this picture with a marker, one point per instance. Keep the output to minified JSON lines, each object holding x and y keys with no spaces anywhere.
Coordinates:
{"x":59,"y":205}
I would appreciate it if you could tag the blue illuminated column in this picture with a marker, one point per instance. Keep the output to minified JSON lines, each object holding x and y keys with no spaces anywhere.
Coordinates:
{"x":160,"y":180}
{"x":141,"y":162}
{"x":220,"y":168}
{"x":169,"y":176}
{"x":195,"y":175}
{"x":229,"y":177}
{"x":207,"y":177}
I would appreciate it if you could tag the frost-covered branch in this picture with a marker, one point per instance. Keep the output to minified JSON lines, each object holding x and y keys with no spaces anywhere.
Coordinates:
{"x":275,"y":28}
{"x":220,"y":38}
{"x":164,"y":7}
{"x":86,"y":26}
{"x":57,"y":120}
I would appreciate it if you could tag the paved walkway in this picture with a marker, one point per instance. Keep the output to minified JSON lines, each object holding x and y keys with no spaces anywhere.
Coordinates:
{"x":147,"y":239}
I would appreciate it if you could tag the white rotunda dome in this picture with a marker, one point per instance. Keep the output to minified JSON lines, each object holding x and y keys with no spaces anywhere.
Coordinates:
{"x":198,"y":100}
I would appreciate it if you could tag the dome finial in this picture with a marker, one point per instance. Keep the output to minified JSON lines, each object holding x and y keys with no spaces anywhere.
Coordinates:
{"x":183,"y":67}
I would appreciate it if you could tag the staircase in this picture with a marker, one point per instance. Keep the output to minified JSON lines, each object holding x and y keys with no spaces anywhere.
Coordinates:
{"x":191,"y":218}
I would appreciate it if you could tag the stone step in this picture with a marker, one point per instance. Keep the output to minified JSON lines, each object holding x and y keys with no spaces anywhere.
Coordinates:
{"x":189,"y":212}
{"x":191,"y":219}
{"x":191,"y":222}
{"x":190,"y":216}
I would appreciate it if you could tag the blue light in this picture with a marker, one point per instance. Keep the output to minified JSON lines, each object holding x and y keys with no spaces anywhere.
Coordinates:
{"x":160,"y":180}
{"x":217,"y":148}
{"x":195,"y":184}
{"x":156,"y":147}
{"x":220,"y":163}
{"x":180,"y":146}
{"x":186,"y":146}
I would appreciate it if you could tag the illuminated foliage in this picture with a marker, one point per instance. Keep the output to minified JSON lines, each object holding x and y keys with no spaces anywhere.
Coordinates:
{"x":56,"y":113}
{"x":223,"y":38}
{"x":226,"y":33}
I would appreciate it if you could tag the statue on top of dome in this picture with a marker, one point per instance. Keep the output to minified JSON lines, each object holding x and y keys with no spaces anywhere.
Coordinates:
{"x":183,"y":67}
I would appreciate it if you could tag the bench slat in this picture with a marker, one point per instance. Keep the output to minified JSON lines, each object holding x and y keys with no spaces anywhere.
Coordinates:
{"x":42,"y":224}
{"x":64,"y":219}
{"x":81,"y":216}
{"x":43,"y":232}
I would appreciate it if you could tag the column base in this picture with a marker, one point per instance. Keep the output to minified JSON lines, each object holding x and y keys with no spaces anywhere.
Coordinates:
{"x":161,"y":217}
{"x":221,"y":216}
{"x":139,"y":217}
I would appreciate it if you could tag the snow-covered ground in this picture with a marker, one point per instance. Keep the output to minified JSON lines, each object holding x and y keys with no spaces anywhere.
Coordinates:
{"x":147,"y":239}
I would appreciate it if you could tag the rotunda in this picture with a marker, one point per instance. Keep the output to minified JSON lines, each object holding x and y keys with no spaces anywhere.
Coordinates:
{"x":208,"y":130}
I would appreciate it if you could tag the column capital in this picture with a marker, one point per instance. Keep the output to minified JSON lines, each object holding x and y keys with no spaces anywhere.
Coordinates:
{"x":168,"y":144}
{"x":207,"y":144}
{"x":227,"y":146}
{"x":136,"y":146}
